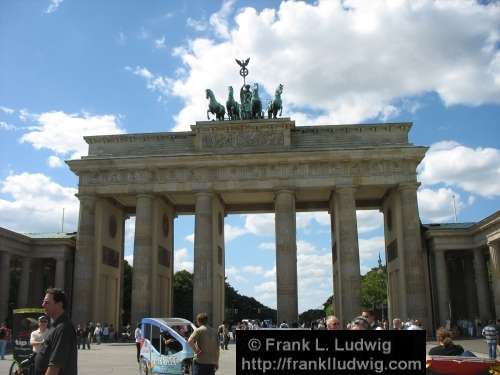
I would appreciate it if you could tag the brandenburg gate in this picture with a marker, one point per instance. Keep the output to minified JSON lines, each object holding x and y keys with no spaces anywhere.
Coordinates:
{"x":245,"y":166}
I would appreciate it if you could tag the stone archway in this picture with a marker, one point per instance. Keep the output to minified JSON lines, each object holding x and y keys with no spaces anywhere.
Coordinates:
{"x":246,"y":166}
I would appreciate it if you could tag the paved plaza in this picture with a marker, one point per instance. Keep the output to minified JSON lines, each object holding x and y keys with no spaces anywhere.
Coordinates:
{"x":120,"y":358}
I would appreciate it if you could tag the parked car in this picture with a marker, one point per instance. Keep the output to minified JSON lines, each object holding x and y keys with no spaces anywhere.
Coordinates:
{"x":164,"y":348}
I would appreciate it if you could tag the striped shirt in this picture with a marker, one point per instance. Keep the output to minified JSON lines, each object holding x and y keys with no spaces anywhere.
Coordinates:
{"x":490,"y":334}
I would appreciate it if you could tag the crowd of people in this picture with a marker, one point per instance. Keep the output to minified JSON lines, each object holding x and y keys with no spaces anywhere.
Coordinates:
{"x":97,"y":333}
{"x":46,"y":342}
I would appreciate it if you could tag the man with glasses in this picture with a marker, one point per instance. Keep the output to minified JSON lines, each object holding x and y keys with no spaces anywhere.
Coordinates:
{"x":370,"y":316}
{"x":332,"y":323}
{"x":40,"y":335}
{"x":58,"y":353}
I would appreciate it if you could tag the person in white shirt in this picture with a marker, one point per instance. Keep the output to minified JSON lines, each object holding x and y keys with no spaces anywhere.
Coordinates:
{"x":98,"y":333}
{"x":38,"y":336}
{"x":138,"y":339}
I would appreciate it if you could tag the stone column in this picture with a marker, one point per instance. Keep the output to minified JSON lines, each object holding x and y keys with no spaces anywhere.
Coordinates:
{"x":60,"y":273}
{"x":36,"y":283}
{"x":469,"y":293}
{"x":203,"y":288}
{"x":413,"y":269}
{"x":494,"y":248}
{"x":143,"y":255}
{"x":443,"y":293}
{"x":481,"y":285}
{"x":286,"y":257}
{"x":84,"y":261}
{"x":348,"y":297}
{"x":4,"y":284}
{"x":24,"y":284}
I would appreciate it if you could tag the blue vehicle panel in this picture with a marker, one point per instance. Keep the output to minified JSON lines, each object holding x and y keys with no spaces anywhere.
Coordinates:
{"x":164,"y":347}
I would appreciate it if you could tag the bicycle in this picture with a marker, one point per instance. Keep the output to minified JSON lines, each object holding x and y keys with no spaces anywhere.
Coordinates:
{"x":25,"y":367}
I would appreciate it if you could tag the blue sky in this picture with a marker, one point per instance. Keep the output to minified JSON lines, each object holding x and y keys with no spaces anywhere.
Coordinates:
{"x":72,"y":68}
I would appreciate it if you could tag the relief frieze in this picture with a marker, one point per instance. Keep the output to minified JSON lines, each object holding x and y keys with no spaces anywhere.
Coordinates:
{"x":238,"y":139}
{"x":251,"y":172}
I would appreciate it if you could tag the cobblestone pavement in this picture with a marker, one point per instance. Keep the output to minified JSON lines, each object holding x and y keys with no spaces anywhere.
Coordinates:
{"x":121,"y":359}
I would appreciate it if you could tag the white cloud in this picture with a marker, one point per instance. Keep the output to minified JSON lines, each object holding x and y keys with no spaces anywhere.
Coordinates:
{"x":437,"y":205}
{"x":232,"y":232}
{"x":267,"y":246}
{"x":7,"y":110}
{"x":63,"y":133}
{"x":476,"y":170}
{"x":54,"y":162}
{"x":344,"y":77}
{"x":182,"y":260}
{"x":190,"y":238}
{"x":388,"y":112}
{"x":234,"y":275}
{"x":130,"y":259}
{"x":219,"y":20}
{"x":158,"y":84}
{"x":25,"y":116}
{"x":197,"y":24}
{"x":160,"y":43}
{"x":370,"y":248}
{"x":268,"y":286}
{"x":37,"y":203}
{"x":305,"y":219}
{"x":369,"y":220}
{"x":257,"y":270}
{"x":6,"y":126}
{"x":304,"y":247}
{"x":129,"y":235}
{"x":54,"y":4}
{"x":260,"y":224}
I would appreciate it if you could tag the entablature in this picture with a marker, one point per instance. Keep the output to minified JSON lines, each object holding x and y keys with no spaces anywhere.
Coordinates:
{"x":270,"y":135}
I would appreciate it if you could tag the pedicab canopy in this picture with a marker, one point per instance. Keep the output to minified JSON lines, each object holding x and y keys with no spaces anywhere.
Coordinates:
{"x":25,"y":322}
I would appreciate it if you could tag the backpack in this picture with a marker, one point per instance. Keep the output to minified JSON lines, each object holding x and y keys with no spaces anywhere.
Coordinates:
{"x":3,"y":333}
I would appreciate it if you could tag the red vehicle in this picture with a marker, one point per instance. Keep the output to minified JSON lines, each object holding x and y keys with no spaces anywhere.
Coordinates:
{"x":458,"y":365}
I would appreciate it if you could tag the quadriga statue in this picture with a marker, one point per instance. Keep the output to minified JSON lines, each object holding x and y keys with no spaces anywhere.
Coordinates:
{"x":215,"y":107}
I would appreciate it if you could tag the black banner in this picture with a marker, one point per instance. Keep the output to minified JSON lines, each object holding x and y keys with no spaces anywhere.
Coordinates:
{"x":296,"y":351}
{"x":25,"y":322}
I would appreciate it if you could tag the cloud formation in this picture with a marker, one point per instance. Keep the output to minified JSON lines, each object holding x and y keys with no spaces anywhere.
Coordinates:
{"x":182,"y":260}
{"x":63,"y":133}
{"x":438,"y":206}
{"x":54,"y":4}
{"x":425,"y":49}
{"x":476,"y":171}
{"x":36,"y":204}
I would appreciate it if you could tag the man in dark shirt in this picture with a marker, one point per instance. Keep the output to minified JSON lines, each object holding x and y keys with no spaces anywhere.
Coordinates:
{"x":58,"y":354}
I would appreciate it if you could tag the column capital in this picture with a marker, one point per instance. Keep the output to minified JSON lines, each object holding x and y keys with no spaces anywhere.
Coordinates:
{"x":206,"y":193}
{"x":86,"y":197}
{"x":280,"y":191}
{"x":344,"y":189}
{"x":145,"y":195}
{"x":414,"y":185}
{"x":494,"y":243}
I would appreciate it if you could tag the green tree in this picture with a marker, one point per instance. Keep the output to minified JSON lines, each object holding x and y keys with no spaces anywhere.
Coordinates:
{"x":183,"y":295}
{"x":127,"y":292}
{"x":374,"y":288}
{"x":242,"y":307}
{"x":311,"y":315}
{"x":328,"y":306}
